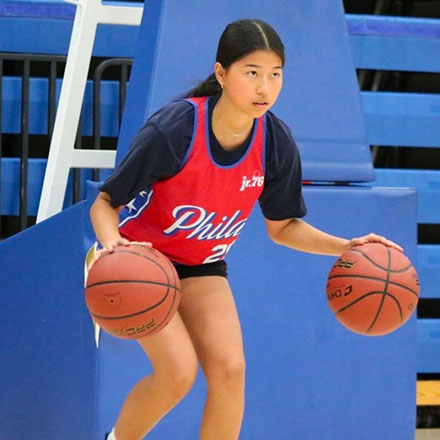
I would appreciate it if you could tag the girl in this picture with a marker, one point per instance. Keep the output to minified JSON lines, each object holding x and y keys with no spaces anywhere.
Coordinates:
{"x":187,"y":185}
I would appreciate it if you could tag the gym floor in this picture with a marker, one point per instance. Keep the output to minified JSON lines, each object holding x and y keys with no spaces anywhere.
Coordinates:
{"x":427,"y":434}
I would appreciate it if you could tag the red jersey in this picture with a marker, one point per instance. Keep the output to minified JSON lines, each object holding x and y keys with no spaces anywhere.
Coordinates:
{"x":196,"y":215}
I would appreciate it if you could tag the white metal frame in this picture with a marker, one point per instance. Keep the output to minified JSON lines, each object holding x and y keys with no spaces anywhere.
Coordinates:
{"x":62,"y":154}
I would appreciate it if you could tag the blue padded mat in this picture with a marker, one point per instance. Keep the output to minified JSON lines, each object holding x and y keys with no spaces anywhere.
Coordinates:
{"x":47,"y":367}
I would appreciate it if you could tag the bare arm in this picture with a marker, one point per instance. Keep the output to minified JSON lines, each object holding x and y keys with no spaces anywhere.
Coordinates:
{"x":105,"y":220}
{"x":298,"y":234}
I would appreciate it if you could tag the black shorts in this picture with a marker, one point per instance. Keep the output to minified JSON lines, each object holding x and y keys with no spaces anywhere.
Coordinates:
{"x":219,"y":268}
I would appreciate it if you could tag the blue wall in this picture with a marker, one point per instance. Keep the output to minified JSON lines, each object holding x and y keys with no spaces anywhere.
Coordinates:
{"x":47,"y":368}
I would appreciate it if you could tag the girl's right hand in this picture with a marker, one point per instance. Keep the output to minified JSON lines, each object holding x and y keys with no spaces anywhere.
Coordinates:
{"x":110,"y":247}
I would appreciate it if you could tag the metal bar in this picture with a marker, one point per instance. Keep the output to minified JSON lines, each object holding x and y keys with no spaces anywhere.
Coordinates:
{"x":52,"y":97}
{"x":124,"y":63}
{"x":362,"y":78}
{"x":1,"y":135}
{"x":27,"y":59}
{"x":97,"y":116}
{"x":24,"y":142}
{"x":68,"y":110}
{"x":81,"y":158}
{"x":377,"y":80}
{"x":381,"y":7}
{"x":33,"y":57}
{"x":93,"y":159}
{"x":123,"y":89}
{"x":76,"y":193}
{"x":62,"y":148}
{"x":399,"y":7}
{"x":122,"y":15}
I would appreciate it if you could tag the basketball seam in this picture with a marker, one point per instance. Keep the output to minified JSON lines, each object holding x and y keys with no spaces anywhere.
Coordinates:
{"x":378,"y":265}
{"x":164,"y":319}
{"x":137,"y":313}
{"x":373,"y":292}
{"x":101,"y":283}
{"x":384,"y":294}
{"x":124,"y":251}
{"x":169,"y":310}
{"x":375,"y":279}
{"x":173,"y":271}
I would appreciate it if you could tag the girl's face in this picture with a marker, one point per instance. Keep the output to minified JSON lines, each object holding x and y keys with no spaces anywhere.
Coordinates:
{"x":253,"y":83}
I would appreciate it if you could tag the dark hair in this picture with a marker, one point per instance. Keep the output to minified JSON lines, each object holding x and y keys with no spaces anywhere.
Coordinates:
{"x":239,"y":39}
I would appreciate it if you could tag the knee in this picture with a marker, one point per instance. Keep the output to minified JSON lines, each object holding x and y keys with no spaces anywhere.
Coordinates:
{"x":227,"y":371}
{"x":180,"y":382}
{"x":178,"y":379}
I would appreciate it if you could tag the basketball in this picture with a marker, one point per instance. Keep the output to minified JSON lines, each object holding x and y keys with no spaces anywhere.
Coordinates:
{"x":373,"y":289}
{"x":132,"y":292}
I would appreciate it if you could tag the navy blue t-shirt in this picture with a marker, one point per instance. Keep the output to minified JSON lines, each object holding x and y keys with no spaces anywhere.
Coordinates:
{"x":159,"y":149}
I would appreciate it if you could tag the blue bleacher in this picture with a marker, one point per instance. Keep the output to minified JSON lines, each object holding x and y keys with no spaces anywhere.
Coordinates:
{"x":11,"y":114}
{"x":10,"y":190}
{"x":38,"y":106}
{"x":407,"y":120}
{"x":395,"y":43}
{"x":428,"y":342}
{"x":427,"y":183}
{"x":402,"y":119}
{"x":38,"y":111}
{"x":43,"y":19}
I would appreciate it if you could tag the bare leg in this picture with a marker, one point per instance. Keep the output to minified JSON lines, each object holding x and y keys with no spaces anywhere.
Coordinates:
{"x":174,"y":364}
{"x":209,"y":313}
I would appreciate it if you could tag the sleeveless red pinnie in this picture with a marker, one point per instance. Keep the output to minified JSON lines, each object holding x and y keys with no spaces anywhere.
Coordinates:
{"x":196,"y":215}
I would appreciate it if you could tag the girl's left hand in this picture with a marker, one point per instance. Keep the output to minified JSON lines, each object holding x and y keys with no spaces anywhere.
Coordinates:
{"x":372,"y":238}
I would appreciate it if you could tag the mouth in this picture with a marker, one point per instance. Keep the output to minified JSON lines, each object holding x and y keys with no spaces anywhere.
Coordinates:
{"x":260,"y":104}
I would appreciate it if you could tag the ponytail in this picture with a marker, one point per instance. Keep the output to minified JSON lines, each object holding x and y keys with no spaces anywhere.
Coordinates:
{"x":209,"y":87}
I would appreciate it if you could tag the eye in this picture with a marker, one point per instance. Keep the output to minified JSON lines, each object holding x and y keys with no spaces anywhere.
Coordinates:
{"x":276,"y":74}
{"x":253,"y":73}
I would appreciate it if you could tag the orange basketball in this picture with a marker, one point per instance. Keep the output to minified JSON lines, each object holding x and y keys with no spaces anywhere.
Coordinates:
{"x":132,"y":292}
{"x":373,"y":289}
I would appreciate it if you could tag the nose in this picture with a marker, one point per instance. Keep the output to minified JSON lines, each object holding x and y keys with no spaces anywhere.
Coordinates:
{"x":263,"y":87}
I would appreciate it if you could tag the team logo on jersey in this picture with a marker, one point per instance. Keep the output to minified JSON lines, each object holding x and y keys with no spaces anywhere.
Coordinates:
{"x":135,"y":207}
{"x":204,"y":225}
{"x":256,"y":180}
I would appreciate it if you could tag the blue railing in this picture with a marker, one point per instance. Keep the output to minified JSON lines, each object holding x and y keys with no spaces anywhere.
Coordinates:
{"x":27,"y":108}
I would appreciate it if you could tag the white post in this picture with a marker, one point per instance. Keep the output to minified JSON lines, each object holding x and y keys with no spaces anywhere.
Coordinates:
{"x":62,"y":154}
